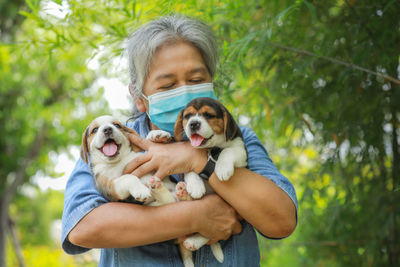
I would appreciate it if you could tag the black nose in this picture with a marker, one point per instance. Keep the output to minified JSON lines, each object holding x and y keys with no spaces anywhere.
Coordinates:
{"x":194,"y":125}
{"x":108,"y":131}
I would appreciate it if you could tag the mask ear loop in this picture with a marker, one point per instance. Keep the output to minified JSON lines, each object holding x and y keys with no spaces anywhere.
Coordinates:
{"x":145,"y":97}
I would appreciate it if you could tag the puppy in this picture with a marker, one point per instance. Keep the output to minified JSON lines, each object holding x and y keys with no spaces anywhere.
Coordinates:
{"x":209,"y":125}
{"x":105,"y":145}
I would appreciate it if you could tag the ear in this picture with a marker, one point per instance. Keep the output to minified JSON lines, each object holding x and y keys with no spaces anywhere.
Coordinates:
{"x":84,"y":147}
{"x":231,"y":130}
{"x":133,"y":146}
{"x":178,"y":129}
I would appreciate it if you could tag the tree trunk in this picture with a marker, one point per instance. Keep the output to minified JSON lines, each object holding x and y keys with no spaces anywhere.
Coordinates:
{"x":16,"y":243}
{"x":10,"y":191}
{"x":3,"y":231}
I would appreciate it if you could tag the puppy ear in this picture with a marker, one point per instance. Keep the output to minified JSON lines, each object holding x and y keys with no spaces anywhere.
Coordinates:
{"x":231,"y":130}
{"x":178,"y":129}
{"x":84,"y":147}
{"x":133,"y":146}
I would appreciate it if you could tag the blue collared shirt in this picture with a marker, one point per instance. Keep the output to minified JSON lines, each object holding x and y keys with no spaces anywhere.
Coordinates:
{"x":242,"y":249}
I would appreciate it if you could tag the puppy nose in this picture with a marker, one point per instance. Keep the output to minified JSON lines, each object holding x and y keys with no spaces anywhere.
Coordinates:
{"x":194,"y":125}
{"x":108,"y":131}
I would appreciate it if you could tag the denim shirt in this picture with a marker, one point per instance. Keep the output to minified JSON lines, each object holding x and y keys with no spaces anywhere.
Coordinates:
{"x":239,"y":250}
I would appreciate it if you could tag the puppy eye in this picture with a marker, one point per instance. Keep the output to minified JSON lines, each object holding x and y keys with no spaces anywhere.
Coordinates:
{"x":117,"y":125}
{"x":95,"y":130}
{"x":208,"y":115}
{"x":187,"y":116}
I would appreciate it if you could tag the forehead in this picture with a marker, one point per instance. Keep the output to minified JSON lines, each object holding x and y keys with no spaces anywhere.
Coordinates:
{"x":103,"y":120}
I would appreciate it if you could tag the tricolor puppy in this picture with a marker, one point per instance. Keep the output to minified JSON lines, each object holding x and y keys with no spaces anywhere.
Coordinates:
{"x":208,"y":124}
{"x":106,"y":146}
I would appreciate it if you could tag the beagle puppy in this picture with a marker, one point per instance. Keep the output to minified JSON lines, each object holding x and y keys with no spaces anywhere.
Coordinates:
{"x":105,"y":145}
{"x":209,"y":125}
{"x":107,"y":149}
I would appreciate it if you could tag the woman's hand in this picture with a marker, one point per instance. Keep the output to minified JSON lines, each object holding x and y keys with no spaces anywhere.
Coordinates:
{"x":216,"y":219}
{"x":165,"y":159}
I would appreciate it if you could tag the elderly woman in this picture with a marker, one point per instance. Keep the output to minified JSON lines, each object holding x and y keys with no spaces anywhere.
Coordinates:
{"x":164,"y":55}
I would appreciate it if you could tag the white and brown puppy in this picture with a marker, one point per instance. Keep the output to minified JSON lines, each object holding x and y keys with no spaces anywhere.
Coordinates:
{"x":105,"y":145}
{"x":209,"y":125}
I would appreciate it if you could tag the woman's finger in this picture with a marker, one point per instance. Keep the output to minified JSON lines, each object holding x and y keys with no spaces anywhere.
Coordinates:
{"x":143,"y":169}
{"x":136,"y":162}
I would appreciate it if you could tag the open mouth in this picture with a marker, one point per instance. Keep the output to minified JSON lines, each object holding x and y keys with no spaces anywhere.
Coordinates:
{"x":197,"y":140}
{"x":110,"y":148}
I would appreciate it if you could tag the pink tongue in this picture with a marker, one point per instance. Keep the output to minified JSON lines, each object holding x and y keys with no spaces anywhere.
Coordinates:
{"x":110,"y":149}
{"x":196,"y":140}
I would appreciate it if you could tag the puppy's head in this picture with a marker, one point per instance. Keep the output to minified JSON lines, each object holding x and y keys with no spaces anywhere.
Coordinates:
{"x":206,"y":123}
{"x":106,"y":140}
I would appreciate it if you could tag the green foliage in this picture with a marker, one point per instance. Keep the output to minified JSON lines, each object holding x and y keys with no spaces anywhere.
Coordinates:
{"x":307,"y":76}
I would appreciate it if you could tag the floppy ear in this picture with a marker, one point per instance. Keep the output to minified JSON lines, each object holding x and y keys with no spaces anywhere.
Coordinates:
{"x":84,"y":147}
{"x":133,"y":146}
{"x":231,"y":130}
{"x":178,"y":129}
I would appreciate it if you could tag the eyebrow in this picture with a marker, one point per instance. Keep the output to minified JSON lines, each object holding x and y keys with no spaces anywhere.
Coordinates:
{"x":201,"y":70}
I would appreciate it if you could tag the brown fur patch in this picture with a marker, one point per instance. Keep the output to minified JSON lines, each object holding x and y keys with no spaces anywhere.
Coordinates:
{"x":106,"y":187}
{"x":87,"y":138}
{"x":216,"y":124}
{"x":127,"y":130}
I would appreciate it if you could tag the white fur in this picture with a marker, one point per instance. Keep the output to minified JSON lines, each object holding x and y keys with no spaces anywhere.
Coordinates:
{"x":112,"y":168}
{"x":194,"y":185}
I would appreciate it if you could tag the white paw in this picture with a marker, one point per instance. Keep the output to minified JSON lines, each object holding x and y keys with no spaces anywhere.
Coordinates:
{"x":159,"y":136}
{"x":141,"y":193}
{"x":194,"y":185}
{"x":224,"y":170}
{"x":195,"y":242}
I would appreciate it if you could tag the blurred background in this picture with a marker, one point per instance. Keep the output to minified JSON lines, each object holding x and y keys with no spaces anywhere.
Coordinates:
{"x":318,"y":81}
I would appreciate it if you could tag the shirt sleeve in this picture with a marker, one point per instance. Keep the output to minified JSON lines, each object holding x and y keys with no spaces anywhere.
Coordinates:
{"x":80,"y":198}
{"x":260,"y":162}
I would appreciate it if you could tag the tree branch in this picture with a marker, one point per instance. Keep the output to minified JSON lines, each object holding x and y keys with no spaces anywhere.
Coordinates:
{"x":336,"y":61}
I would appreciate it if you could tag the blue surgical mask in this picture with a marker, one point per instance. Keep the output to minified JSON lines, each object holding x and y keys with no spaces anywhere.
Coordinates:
{"x":164,"y":107}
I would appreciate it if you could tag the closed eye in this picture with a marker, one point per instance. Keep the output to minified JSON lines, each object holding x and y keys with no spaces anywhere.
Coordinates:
{"x":187,"y":116}
{"x":117,"y":125}
{"x":208,"y":115}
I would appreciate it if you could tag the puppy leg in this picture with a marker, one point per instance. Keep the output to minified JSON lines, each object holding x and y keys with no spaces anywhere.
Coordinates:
{"x":159,"y":136}
{"x":160,"y":193}
{"x":181,"y":192}
{"x":130,"y":184}
{"x":224,"y":167}
{"x":194,"y":242}
{"x":186,"y":256}
{"x":194,"y":185}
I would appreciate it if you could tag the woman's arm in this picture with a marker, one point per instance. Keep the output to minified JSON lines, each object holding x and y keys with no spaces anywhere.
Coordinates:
{"x":257,"y":199}
{"x":116,"y":225}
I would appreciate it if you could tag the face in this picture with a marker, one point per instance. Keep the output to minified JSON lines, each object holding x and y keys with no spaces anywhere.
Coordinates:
{"x":174,"y":65}
{"x":105,"y":139}
{"x":204,"y":122}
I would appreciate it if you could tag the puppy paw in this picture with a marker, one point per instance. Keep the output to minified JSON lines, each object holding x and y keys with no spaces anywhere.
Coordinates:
{"x":196,"y":190}
{"x":224,"y":170}
{"x":159,"y":136}
{"x":195,"y":242}
{"x":154,"y":183}
{"x":181,"y":192}
{"x":142,"y":194}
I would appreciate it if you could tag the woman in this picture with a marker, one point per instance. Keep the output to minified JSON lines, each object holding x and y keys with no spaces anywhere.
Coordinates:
{"x":166,"y":54}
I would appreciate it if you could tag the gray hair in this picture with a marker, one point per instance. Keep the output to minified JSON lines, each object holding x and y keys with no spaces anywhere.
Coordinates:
{"x":144,"y":42}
